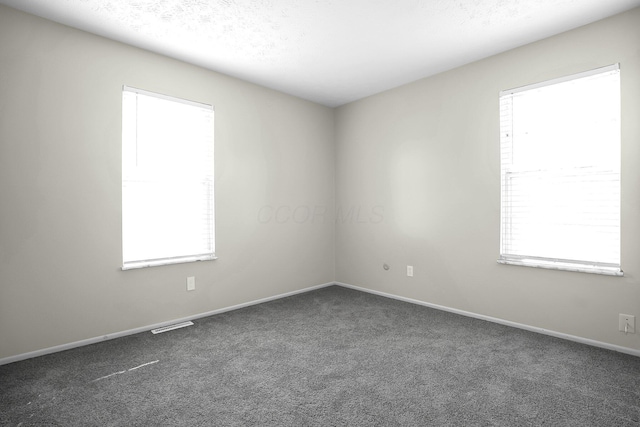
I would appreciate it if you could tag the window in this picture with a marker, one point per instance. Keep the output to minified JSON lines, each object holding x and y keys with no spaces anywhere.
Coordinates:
{"x":167,"y":180}
{"x":560,"y":173}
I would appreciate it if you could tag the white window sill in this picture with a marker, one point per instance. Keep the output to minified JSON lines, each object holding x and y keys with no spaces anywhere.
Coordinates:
{"x":564,"y":266}
{"x":131,"y":265}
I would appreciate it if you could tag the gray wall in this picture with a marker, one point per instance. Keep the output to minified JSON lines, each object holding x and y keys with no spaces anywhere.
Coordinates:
{"x":427,"y":155}
{"x":415,"y":171}
{"x":60,"y":189}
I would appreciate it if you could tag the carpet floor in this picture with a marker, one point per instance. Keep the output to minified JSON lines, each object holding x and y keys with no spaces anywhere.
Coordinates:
{"x":331,"y":357}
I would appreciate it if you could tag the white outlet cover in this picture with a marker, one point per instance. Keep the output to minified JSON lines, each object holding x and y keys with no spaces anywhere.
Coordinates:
{"x":191,"y":283}
{"x":629,"y":320}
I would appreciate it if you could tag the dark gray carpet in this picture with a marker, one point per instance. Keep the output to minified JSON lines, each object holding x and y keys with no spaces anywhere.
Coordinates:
{"x":326,"y":358}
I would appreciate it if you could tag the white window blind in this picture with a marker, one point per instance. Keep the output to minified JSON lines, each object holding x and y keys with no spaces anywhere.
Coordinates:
{"x":560,"y":173}
{"x":167,"y":180}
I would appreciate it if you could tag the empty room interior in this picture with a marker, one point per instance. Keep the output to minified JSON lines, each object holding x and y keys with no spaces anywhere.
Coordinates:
{"x":366,"y":265}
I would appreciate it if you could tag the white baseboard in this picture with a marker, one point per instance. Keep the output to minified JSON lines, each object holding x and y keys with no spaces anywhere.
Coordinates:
{"x":94,"y":340}
{"x":575,"y":338}
{"x":114,"y":335}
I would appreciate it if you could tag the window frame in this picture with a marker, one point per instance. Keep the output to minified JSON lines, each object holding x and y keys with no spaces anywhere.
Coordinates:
{"x":506,"y":137}
{"x":209,"y":201}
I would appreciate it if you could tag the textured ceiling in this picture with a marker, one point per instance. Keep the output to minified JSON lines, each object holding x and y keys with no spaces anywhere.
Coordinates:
{"x":328,"y":51}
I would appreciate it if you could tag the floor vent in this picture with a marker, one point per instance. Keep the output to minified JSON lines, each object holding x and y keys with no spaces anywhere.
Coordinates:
{"x":171,"y":327}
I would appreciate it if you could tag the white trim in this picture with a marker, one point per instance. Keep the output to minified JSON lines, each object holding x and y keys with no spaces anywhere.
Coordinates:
{"x":612,"y":67}
{"x":126,"y":88}
{"x":94,"y":340}
{"x":132,"y":265}
{"x":561,"y":265}
{"x":543,"y":331}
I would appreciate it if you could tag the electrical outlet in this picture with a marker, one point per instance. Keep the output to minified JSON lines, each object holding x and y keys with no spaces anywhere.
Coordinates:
{"x":627,"y":323}
{"x":410,"y":270}
{"x":191,"y":283}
